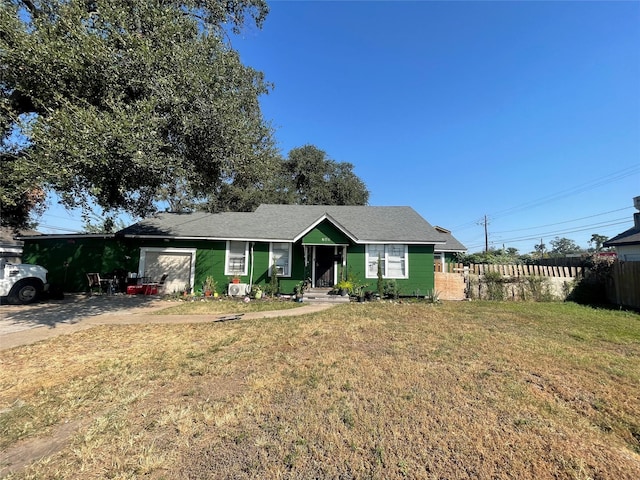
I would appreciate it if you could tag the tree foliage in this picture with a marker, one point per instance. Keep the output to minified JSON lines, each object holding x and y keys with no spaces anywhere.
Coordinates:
{"x":540,"y":248}
{"x":315,"y":179}
{"x":563,"y":246}
{"x":493,"y":256}
{"x":306,"y":177}
{"x":597,"y":241}
{"x":116,"y":101}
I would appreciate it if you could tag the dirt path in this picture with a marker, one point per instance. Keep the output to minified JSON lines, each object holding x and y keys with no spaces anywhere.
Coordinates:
{"x":25,"y":452}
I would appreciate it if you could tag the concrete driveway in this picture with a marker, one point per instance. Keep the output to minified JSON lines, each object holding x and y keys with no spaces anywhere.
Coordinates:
{"x":26,"y":324}
{"x":71,"y":310}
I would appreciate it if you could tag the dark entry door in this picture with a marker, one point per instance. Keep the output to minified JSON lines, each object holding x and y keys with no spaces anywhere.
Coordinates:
{"x":324,"y":267}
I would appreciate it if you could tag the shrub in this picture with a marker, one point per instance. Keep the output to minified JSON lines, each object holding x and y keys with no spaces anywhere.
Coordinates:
{"x":495,"y":288}
{"x":432,"y":296}
{"x":538,"y":289}
{"x":390,"y":289}
{"x":273,"y":287}
{"x":344,"y":285}
{"x":592,"y":289}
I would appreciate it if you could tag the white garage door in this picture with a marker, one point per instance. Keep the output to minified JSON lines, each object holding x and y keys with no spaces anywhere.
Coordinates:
{"x":176,"y":263}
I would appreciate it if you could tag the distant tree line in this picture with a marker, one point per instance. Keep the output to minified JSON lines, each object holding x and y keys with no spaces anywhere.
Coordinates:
{"x":560,"y":247}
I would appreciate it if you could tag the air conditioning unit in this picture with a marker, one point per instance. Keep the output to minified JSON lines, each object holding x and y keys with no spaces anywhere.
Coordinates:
{"x":238,"y":289}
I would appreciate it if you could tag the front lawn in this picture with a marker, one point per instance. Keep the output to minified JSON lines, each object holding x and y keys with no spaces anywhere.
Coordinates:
{"x":373,"y":390}
{"x":214,"y":306}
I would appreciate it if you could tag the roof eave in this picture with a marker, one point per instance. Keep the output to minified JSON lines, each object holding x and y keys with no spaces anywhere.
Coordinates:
{"x":219,"y":239}
{"x":321,"y":219}
{"x":65,"y":235}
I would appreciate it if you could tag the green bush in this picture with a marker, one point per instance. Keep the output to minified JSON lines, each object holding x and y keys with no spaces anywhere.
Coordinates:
{"x":592,"y":289}
{"x":344,"y":285}
{"x":537,"y":289}
{"x":390,"y":289}
{"x":495,"y":286}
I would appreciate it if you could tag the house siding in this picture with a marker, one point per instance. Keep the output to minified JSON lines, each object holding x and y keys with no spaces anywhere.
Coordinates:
{"x":421,"y":277}
{"x":325,"y":233}
{"x":210,"y":262}
{"x":69,"y":259}
{"x":356,"y":267}
{"x":629,"y":253}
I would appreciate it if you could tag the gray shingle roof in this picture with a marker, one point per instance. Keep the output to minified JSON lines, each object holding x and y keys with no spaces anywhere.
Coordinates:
{"x":630,"y":237}
{"x":363,"y":224}
{"x":451,"y":245}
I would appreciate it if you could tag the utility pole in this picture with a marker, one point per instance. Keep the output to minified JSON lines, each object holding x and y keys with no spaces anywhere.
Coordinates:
{"x":485,"y":222}
{"x":486,"y":236}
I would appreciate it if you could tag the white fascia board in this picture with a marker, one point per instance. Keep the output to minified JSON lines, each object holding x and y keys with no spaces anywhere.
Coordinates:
{"x":65,"y":236}
{"x":398,"y":242}
{"x":217,"y":239}
{"x":285,"y":240}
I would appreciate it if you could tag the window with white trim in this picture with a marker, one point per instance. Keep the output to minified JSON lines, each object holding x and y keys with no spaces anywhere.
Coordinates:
{"x":394,"y":260}
{"x":280,"y":253}
{"x":236,"y":258}
{"x":374,"y":253}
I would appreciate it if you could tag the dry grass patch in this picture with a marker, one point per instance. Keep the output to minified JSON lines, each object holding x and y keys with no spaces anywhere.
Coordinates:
{"x":226,"y":305}
{"x":460,"y":390}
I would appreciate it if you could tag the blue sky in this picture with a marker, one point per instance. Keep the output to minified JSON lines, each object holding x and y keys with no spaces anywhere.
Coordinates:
{"x":527,"y":112}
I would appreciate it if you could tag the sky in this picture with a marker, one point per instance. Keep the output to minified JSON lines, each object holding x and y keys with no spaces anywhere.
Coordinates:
{"x":527,"y":113}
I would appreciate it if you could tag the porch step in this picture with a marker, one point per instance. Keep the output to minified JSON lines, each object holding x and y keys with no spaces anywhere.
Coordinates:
{"x":321,"y":295}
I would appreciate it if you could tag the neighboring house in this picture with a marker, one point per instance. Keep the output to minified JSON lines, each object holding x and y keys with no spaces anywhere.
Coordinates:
{"x":627,"y":244}
{"x":447,"y":252}
{"x":320,"y":243}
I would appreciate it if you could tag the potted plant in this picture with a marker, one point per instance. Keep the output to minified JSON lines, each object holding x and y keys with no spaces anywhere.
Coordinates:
{"x":257,"y":292}
{"x":235,"y":279}
{"x":186,"y":290}
{"x":298,"y":290}
{"x":344,"y":287}
{"x":209,"y":286}
{"x":358,"y":291}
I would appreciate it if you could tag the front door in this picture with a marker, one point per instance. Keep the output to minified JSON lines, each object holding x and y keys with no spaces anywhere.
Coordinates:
{"x":324,"y":267}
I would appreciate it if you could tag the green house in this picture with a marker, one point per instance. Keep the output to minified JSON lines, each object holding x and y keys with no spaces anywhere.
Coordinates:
{"x":318,"y":244}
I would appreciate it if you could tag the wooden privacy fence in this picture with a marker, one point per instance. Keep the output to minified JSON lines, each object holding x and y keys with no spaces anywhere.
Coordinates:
{"x":624,"y":287}
{"x":519,"y":282}
{"x":516,"y":270}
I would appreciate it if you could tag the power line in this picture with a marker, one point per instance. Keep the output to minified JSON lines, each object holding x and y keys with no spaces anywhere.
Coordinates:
{"x":624,"y":173}
{"x":612,"y":177}
{"x":68,"y":219}
{"x":566,"y":221}
{"x":486,"y":235}
{"x":556,"y":233}
{"x":61,"y":229}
